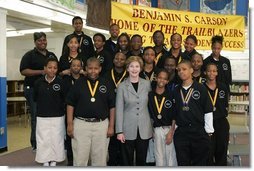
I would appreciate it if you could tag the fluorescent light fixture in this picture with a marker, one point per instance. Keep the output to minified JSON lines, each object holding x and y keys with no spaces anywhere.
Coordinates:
{"x":30,"y":31}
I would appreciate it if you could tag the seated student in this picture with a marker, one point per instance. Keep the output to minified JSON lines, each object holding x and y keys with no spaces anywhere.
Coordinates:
{"x":93,"y":100}
{"x":69,"y":80}
{"x":159,"y":47}
{"x":149,"y":70}
{"x":219,"y":97}
{"x":104,"y":56}
{"x":190,"y":43}
{"x":136,"y":46}
{"x":115,"y":76}
{"x":194,"y":119}
{"x":70,"y":52}
{"x":49,"y":94}
{"x":161,"y":109}
{"x":123,"y":43}
{"x":170,"y":66}
{"x":176,"y":45}
{"x":197,"y":62}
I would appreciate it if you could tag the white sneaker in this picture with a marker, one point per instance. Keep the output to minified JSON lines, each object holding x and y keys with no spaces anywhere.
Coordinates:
{"x":52,"y":163}
{"x":46,"y":164}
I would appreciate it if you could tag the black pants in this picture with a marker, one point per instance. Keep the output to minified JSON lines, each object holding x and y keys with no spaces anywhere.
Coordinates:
{"x":192,"y":146}
{"x":219,"y":143}
{"x":127,"y":149}
{"x":114,"y":152}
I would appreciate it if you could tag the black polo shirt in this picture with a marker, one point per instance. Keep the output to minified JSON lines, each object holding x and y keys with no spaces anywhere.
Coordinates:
{"x":111,"y":47}
{"x":188,"y":55}
{"x":34,"y":60}
{"x":224,"y":69}
{"x":69,"y":81}
{"x":80,"y":98}
{"x":118,"y":76}
{"x":199,"y":104}
{"x":65,"y":61}
{"x":221,"y":102}
{"x":181,"y":56}
{"x":106,"y":61}
{"x":161,"y":61}
{"x":49,"y":97}
{"x":150,"y":76}
{"x":200,"y":79}
{"x":86,"y":48}
{"x":168,"y":109}
{"x":129,"y":53}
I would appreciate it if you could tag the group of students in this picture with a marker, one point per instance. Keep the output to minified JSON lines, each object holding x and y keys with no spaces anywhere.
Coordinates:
{"x":113,"y":98}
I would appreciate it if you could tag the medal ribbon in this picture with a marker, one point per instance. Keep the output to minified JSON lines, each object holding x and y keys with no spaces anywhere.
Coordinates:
{"x":81,"y":40}
{"x":151,"y":78}
{"x":180,"y":59}
{"x":187,"y":98}
{"x":213,"y":99}
{"x":92,"y":91}
{"x":159,"y":107}
{"x":114,"y":79}
{"x":157,"y":58}
{"x":200,"y":80}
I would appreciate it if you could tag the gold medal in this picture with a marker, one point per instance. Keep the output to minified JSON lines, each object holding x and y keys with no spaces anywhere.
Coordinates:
{"x":92,"y":99}
{"x":92,"y":91}
{"x":159,"y":106}
{"x":213,"y":99}
{"x":186,"y":99}
{"x":159,"y":116}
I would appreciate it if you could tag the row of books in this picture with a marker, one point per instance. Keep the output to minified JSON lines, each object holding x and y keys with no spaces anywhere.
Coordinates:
{"x":244,"y":88}
{"x":243,"y":97}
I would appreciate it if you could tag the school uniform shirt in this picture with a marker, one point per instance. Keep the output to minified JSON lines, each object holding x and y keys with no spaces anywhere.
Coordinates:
{"x":69,"y":81}
{"x":200,"y":79}
{"x":150,"y":76}
{"x":111,"y":47}
{"x":181,"y":56}
{"x":85,"y":42}
{"x":224,"y":69}
{"x":34,"y":60}
{"x":199,"y":104}
{"x":221,"y":104}
{"x":106,"y":61}
{"x":167,"y":112}
{"x":49,"y":97}
{"x":118,"y":76}
{"x":188,"y":55}
{"x":79,"y":97}
{"x":160,"y":57}
{"x":129,"y":53}
{"x":65,"y":61}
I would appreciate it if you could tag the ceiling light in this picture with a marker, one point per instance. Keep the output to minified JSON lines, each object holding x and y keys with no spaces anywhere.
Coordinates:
{"x":30,"y":31}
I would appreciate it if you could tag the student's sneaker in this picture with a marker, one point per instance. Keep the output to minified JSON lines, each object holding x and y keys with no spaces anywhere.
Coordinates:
{"x":52,"y":163}
{"x":46,"y":164}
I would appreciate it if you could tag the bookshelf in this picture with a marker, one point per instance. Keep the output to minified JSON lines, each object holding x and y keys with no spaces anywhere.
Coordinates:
{"x":239,"y":97}
{"x":15,"y":89}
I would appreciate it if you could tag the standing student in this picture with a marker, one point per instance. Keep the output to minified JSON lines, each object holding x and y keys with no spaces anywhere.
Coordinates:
{"x":69,"y":81}
{"x":223,"y":64}
{"x":219,"y":97}
{"x":133,"y":125}
{"x":111,"y":43}
{"x":49,"y":95}
{"x":136,"y":46}
{"x":70,"y":52}
{"x":197,"y":62}
{"x":176,"y":45}
{"x":90,"y":102}
{"x":160,"y":48}
{"x":170,"y":65}
{"x":32,"y":67}
{"x":194,"y":119}
{"x":149,"y":71}
{"x":123,"y":43}
{"x":85,"y":42}
{"x":116,"y":75}
{"x":104,"y":56}
{"x":190,"y":43}
{"x":161,"y":108}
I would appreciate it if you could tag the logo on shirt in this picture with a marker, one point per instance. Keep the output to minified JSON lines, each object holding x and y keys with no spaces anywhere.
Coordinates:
{"x":103,"y":89}
{"x":225,"y":66}
{"x":56,"y":87}
{"x":222,"y":94}
{"x":85,"y":42}
{"x":168,"y":104}
{"x":51,"y":56}
{"x":101,"y":58}
{"x":196,"y":94}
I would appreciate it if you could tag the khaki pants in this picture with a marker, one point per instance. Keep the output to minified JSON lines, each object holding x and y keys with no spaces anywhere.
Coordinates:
{"x":165,"y":155}
{"x":90,"y":140}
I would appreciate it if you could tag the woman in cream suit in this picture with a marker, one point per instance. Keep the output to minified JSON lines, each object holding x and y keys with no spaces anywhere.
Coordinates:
{"x":133,"y":124}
